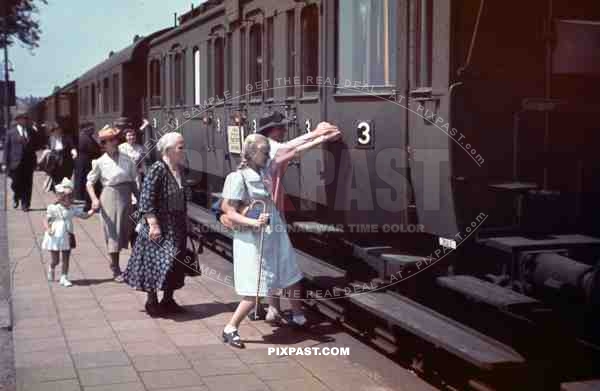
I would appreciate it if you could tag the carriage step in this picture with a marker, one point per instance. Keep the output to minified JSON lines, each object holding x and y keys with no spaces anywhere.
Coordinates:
{"x":486,"y":292}
{"x":442,"y":332}
{"x":512,"y":244}
{"x":589,"y":385}
{"x":318,"y":272}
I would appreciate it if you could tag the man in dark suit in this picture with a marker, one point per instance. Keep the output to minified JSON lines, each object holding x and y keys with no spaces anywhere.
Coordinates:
{"x":20,"y":160}
{"x":88,"y":150}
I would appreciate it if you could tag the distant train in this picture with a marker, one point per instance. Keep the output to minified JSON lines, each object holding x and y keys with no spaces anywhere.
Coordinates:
{"x":466,"y":124}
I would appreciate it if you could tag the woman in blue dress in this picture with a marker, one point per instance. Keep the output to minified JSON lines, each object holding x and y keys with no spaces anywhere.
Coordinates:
{"x":156,"y":260}
{"x":279,"y":270}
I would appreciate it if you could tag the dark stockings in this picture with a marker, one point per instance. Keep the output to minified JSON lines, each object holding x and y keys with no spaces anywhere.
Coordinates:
{"x":114,"y":264}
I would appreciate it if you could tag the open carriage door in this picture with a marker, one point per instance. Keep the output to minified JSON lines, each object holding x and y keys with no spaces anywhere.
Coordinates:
{"x":430,"y":134}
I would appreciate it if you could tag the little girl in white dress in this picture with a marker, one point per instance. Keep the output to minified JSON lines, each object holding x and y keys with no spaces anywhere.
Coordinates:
{"x":58,"y":226}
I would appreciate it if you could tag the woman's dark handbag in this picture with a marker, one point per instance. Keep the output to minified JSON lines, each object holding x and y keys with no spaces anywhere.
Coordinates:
{"x":72,"y":241}
{"x":191,"y":260}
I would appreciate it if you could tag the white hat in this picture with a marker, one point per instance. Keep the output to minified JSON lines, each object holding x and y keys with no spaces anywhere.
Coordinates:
{"x":66,"y":186}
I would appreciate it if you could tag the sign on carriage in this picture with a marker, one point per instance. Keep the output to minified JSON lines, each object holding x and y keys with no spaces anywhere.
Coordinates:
{"x":234,"y":139}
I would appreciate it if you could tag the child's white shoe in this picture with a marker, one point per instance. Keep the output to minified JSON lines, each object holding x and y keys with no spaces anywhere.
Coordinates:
{"x":50,"y":274}
{"x":64,"y":281}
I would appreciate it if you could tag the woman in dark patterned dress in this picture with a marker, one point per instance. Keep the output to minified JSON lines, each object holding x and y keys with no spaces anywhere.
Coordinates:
{"x":156,"y":261}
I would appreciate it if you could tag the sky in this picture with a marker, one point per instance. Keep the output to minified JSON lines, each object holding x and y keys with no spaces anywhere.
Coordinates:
{"x":78,"y":34}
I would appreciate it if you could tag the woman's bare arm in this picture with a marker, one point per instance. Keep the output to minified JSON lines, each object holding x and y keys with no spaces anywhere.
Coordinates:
{"x":229,"y":207}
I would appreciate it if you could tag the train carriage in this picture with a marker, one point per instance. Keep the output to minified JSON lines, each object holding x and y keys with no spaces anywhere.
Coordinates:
{"x":469,"y":143}
{"x":117,"y":86}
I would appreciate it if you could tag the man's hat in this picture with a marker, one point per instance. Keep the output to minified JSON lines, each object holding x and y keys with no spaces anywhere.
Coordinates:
{"x":271,"y":120}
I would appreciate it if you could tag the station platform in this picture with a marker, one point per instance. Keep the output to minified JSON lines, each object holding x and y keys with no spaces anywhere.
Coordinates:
{"x":95,"y":335}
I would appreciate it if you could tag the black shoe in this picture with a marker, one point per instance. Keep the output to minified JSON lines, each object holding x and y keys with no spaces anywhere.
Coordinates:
{"x":233,"y":339}
{"x":25,"y":208}
{"x":153,"y":309}
{"x":169,"y":306}
{"x":15,"y":204}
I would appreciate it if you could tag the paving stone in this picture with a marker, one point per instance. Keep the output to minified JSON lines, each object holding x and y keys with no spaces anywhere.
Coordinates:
{"x":210,"y":367}
{"x":129,"y":336}
{"x":37,"y":332}
{"x":69,"y":324}
{"x":194,"y":339}
{"x":350,"y":381}
{"x":215,"y":352}
{"x":38,"y":375}
{"x":245,"y":382}
{"x":39,"y":344}
{"x":117,"y":387}
{"x":259,"y":356}
{"x":160,"y":362}
{"x":150,"y":348}
{"x":100,"y":359}
{"x":194,"y":388}
{"x":305,"y":384}
{"x":281,"y":370}
{"x":171,"y":379}
{"x":89,"y":334}
{"x":108,"y":375}
{"x":142,"y":324}
{"x":43,"y":359}
{"x":62,"y":385}
{"x":95,"y":345}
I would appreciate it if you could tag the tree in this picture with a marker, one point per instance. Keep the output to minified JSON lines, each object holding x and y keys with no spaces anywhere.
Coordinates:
{"x":18,"y":22}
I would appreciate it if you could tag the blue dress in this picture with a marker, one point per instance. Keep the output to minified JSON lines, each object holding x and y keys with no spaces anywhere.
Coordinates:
{"x":159,"y":265}
{"x":279,"y":267}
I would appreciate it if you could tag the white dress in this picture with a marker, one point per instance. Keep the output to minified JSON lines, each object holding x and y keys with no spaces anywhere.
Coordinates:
{"x":61,"y":223}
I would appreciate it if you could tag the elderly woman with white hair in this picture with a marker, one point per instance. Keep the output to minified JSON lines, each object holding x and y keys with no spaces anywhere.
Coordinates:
{"x":154,"y":263}
{"x":117,"y":174}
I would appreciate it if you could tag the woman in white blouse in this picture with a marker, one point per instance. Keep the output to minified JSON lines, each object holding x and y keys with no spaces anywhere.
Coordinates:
{"x":117,"y":173}
{"x":136,"y":153}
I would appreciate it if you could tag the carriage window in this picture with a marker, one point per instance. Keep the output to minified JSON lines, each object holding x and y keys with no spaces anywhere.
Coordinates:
{"x":115,"y":92}
{"x":229,"y":60}
{"x":178,"y":79}
{"x":270,"y":66}
{"x":86,"y":100}
{"x":93,"y":99}
{"x":81,"y":100}
{"x":310,"y":47}
{"x":210,"y":83}
{"x":155,"y":83}
{"x":196,"y":76}
{"x":256,"y":59}
{"x":219,"y":68}
{"x":422,"y":31}
{"x":105,"y":94}
{"x":367,"y":42}
{"x":291,"y":50}
{"x":243,"y":63}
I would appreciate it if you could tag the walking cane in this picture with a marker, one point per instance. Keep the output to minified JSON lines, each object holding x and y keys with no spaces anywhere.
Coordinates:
{"x":255,"y":315}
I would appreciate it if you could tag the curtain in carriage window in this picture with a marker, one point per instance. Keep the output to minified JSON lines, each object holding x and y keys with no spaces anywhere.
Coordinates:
{"x":367,"y":38}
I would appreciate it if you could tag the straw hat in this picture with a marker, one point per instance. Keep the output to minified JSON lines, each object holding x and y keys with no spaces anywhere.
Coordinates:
{"x":107,"y":133}
{"x":64,"y":187}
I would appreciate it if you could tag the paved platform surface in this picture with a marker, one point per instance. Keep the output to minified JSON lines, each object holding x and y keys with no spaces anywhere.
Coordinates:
{"x":95,"y":335}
